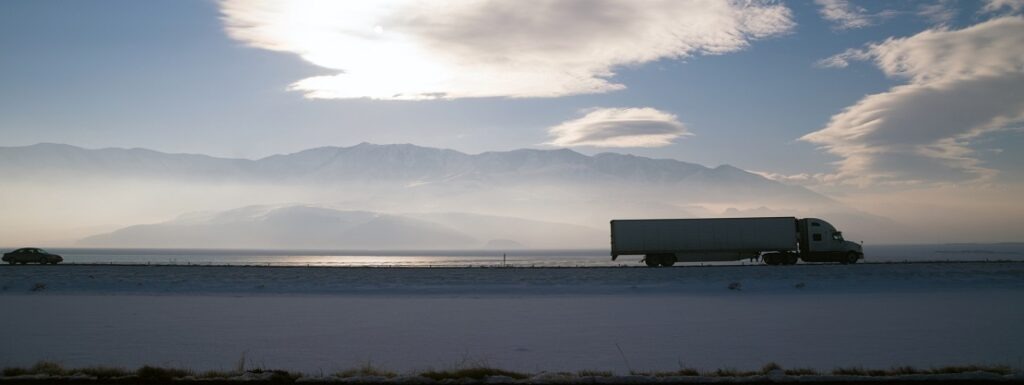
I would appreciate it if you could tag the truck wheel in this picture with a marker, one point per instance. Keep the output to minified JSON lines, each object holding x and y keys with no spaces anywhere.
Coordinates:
{"x":851,"y":258}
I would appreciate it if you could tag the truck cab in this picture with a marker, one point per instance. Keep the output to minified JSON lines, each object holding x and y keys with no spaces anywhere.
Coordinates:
{"x":821,"y":242}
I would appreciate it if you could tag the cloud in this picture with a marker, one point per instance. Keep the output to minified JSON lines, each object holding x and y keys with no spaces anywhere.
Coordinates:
{"x":843,"y":14}
{"x":960,"y":84}
{"x":992,"y":6}
{"x":806,"y":179}
{"x":941,"y":12}
{"x":408,"y":50}
{"x":842,"y":60}
{"x":619,"y":127}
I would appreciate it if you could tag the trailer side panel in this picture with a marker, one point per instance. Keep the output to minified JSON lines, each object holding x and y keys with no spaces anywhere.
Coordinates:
{"x":718,"y":235}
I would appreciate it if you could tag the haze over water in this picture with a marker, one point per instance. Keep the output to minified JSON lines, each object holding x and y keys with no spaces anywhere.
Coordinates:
{"x":489,"y":258}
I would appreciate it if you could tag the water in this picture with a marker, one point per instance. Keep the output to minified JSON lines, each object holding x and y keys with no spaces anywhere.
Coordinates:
{"x":405,"y":258}
{"x":519,"y":258}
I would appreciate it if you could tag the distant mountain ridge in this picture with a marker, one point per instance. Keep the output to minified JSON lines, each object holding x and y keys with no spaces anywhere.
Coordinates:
{"x":405,"y":163}
{"x":313,"y":227}
{"x":393,"y":161}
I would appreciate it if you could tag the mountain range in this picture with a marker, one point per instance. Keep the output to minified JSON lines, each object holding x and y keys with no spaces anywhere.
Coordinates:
{"x":404,"y":163}
{"x":312,"y":227}
{"x":105,"y":194}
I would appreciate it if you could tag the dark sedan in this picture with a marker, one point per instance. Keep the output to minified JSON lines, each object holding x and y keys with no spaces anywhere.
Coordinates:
{"x":32,"y":254}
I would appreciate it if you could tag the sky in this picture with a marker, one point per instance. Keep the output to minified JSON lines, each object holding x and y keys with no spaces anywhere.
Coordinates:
{"x":895,"y":105}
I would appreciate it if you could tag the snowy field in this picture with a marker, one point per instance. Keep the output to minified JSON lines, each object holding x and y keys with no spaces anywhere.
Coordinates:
{"x":325,"y":319}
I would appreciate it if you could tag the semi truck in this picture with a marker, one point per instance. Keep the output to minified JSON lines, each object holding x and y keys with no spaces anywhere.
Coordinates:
{"x":774,"y":240}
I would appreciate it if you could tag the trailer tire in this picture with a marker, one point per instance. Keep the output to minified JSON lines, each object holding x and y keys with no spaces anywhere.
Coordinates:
{"x":668,"y":260}
{"x":651,"y":261}
{"x":791,"y":259}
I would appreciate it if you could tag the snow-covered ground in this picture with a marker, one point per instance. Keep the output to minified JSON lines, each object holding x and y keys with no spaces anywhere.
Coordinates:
{"x":325,"y":319}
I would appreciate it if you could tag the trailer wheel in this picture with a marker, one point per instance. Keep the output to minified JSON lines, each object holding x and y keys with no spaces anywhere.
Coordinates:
{"x":651,"y":261}
{"x":668,"y":260}
{"x":791,"y":259}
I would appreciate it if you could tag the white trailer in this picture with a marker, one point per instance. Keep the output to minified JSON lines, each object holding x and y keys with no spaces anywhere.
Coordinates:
{"x":776,"y":240}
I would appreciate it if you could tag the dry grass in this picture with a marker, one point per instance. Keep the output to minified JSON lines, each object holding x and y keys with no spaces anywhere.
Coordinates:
{"x":690,"y":372}
{"x":103,"y":372}
{"x":278,"y":376}
{"x":479,"y":372}
{"x":49,"y":368}
{"x":14,"y":372}
{"x":773,"y":366}
{"x":954,"y":369}
{"x":594,"y":373}
{"x":366,"y":370}
{"x":910,"y":370}
{"x":903,"y":371}
{"x":769,"y":367}
{"x":802,"y":372}
{"x":683,"y":372}
{"x":157,"y":374}
{"x":218,"y":374}
{"x":476,"y":373}
{"x":730,"y":372}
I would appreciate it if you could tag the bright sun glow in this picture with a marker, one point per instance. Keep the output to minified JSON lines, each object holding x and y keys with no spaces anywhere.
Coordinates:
{"x":411,"y":50}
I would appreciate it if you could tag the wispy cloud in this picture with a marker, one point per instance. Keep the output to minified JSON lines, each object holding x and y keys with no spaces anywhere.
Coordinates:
{"x":807,"y":179}
{"x":409,"y":50}
{"x":960,"y":84}
{"x":941,"y":12}
{"x":843,"y":59}
{"x":843,"y":14}
{"x":619,"y":127}
{"x":993,"y":6}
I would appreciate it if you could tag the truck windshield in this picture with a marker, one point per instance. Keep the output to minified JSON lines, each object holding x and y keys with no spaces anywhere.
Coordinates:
{"x":838,"y":235}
